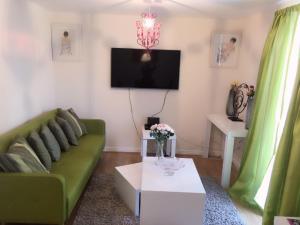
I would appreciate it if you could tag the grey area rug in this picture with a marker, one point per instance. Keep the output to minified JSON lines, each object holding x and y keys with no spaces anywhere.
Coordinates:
{"x":101,"y":205}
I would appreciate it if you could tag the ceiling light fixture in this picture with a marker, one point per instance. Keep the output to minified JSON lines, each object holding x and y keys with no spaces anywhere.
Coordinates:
{"x":148,"y":30}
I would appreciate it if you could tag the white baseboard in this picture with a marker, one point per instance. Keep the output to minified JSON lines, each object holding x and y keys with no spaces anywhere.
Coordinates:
{"x":201,"y":152}
{"x":121,"y":149}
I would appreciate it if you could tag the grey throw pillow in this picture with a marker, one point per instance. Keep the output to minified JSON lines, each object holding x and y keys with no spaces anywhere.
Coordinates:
{"x":13,"y":163}
{"x":83,"y":127}
{"x":59,"y":135}
{"x":66,"y":127}
{"x":20,"y":157}
{"x":50,"y":143}
{"x":72,"y":121}
{"x":40,"y":149}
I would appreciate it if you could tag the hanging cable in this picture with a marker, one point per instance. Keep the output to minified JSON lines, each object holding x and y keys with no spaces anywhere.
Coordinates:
{"x":163,"y":105}
{"x":132,"y":114}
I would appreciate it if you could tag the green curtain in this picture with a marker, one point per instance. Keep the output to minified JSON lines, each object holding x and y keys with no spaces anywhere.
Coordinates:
{"x":261,"y":139}
{"x":284,"y":191}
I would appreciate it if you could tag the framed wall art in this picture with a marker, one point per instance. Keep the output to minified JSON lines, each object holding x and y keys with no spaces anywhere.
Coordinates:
{"x":225,"y":49}
{"x":66,"y":42}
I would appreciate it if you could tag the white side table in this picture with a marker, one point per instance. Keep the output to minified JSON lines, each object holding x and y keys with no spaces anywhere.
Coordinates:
{"x":144,"y":142}
{"x":231,"y":130}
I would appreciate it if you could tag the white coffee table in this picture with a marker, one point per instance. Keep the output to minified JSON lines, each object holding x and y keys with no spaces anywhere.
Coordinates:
{"x":128,"y":183}
{"x":164,"y":200}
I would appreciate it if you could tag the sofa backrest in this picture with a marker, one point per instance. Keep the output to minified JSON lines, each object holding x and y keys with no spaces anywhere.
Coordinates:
{"x":23,"y":130}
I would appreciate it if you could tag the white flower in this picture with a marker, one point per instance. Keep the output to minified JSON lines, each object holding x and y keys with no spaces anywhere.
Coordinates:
{"x":153,"y":127}
{"x":161,"y":130}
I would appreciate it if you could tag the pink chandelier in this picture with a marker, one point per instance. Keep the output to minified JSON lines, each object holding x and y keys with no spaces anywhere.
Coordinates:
{"x":148,"y":30}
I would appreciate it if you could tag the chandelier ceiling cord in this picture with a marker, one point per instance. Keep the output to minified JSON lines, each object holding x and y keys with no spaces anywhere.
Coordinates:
{"x":148,"y":30}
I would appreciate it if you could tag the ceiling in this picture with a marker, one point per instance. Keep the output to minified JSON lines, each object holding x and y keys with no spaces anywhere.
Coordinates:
{"x":216,"y":8}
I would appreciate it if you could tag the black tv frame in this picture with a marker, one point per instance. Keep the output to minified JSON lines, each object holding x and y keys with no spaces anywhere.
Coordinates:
{"x":169,"y":87}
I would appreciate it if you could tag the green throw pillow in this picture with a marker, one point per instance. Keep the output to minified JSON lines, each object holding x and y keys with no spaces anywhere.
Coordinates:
{"x":66,"y":127}
{"x":50,"y":143}
{"x":20,"y":157}
{"x":59,"y":135}
{"x":72,"y":121}
{"x":83,"y":127}
{"x":40,"y":149}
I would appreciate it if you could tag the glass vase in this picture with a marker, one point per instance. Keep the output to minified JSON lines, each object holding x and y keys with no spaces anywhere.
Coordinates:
{"x":160,"y":149}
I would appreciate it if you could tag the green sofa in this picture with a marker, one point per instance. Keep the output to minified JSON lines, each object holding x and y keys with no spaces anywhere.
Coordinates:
{"x":49,"y":198}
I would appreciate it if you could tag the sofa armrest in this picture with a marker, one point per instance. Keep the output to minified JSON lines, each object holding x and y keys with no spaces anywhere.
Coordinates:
{"x":94,"y":126}
{"x":32,"y":198}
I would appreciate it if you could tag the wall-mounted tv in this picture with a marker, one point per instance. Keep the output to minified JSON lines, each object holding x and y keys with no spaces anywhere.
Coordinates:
{"x":140,"y":68}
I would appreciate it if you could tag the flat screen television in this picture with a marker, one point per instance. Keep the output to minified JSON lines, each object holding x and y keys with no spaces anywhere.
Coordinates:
{"x":139,"y":68}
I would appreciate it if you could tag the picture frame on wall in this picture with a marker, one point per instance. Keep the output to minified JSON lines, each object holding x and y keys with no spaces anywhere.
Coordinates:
{"x":225,"y":48}
{"x":66,"y":42}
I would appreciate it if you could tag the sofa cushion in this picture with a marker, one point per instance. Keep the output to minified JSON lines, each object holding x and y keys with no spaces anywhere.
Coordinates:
{"x":66,"y":127}
{"x":77,"y":165}
{"x":40,"y":149}
{"x":59,"y":135}
{"x":65,"y":114}
{"x":13,"y":163}
{"x":50,"y":143}
{"x":24,"y":129}
{"x":83,"y":127}
{"x":20,"y":157}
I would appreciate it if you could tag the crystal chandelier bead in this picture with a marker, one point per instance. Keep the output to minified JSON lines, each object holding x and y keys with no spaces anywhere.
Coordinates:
{"x":148,"y":30}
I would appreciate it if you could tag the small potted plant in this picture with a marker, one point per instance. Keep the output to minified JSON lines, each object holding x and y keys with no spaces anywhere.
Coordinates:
{"x":161,"y":133}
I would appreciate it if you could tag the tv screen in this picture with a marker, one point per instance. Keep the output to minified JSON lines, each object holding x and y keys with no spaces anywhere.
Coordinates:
{"x":140,"y":68}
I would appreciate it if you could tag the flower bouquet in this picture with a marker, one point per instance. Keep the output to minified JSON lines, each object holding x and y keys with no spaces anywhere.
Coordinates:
{"x":161,"y":133}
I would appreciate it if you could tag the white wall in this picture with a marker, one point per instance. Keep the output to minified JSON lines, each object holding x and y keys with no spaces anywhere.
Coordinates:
{"x":26,"y":80}
{"x":31,"y":82}
{"x":203,"y":90}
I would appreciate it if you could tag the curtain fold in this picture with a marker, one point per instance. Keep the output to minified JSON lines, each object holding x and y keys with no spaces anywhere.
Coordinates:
{"x":284,"y":192}
{"x":262,"y":136}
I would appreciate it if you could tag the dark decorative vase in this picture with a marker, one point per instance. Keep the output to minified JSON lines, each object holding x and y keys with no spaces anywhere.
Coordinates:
{"x":249,"y":111}
{"x":230,"y":103}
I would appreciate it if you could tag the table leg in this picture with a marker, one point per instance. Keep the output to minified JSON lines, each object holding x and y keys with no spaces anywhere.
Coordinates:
{"x":173,"y":148}
{"x":208,"y":133}
{"x":144,"y":148}
{"x":168,"y":148}
{"x":227,"y":161}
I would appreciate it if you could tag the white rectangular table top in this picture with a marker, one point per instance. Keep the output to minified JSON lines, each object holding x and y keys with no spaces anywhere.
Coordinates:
{"x":185,"y":180}
{"x":228,"y":127}
{"x":146,"y":135}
